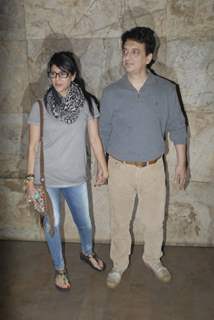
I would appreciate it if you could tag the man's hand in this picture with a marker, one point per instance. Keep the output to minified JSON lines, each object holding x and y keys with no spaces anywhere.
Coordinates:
{"x":180,"y":176}
{"x":181,"y":167}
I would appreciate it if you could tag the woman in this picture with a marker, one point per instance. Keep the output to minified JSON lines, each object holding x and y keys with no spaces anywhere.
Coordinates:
{"x":69,"y":111}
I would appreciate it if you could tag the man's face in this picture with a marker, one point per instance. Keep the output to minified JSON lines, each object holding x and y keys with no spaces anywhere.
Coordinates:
{"x":134,"y":57}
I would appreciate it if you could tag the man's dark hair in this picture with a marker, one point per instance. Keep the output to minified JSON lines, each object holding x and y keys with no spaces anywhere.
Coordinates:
{"x":143,"y":35}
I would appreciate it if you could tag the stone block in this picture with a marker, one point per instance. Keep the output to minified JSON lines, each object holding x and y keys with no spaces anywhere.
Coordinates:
{"x":13,"y":142}
{"x":189,"y":19}
{"x":190,"y":64}
{"x":101,"y":64}
{"x":12,"y":166}
{"x":77,"y":19}
{"x":96,"y":19}
{"x":160,"y":57}
{"x":16,"y":220}
{"x":191,"y":215}
{"x":200,"y":148}
{"x":14,"y":94}
{"x":12,"y":20}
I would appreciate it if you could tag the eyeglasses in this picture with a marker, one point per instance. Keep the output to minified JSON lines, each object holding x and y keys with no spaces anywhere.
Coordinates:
{"x":61,"y":74}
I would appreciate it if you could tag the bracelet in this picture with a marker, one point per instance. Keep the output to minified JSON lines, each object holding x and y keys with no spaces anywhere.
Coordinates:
{"x":30,"y":175}
{"x":28,"y":178}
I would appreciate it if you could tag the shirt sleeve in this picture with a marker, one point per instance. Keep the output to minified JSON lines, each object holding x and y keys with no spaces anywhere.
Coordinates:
{"x":176,"y":122}
{"x":34,"y":116}
{"x":95,"y":110}
{"x":105,"y":123}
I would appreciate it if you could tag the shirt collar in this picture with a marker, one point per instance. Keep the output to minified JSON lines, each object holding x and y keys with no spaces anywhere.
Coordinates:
{"x":127,"y":84}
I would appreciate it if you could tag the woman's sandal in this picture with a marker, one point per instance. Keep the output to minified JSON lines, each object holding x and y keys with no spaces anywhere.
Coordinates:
{"x":90,"y":260}
{"x":62,"y":278}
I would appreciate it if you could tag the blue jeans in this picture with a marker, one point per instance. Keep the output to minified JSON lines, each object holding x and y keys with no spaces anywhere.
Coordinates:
{"x":77,"y":200}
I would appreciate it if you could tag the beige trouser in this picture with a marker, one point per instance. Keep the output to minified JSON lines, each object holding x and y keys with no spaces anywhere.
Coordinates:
{"x":125,"y":181}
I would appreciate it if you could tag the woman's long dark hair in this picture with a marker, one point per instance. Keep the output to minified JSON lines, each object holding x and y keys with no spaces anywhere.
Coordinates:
{"x":66,"y":62}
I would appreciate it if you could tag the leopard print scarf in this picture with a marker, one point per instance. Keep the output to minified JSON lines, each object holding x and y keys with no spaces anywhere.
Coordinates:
{"x":66,"y":108}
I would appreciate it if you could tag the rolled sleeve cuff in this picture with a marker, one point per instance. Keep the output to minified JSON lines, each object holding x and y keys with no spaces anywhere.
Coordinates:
{"x":179,"y":137}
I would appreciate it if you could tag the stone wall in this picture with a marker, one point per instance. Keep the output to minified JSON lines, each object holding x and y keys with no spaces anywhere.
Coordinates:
{"x":30,"y":31}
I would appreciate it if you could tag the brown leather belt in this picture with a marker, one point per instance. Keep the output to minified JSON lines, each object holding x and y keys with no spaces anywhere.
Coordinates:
{"x":139,"y":164}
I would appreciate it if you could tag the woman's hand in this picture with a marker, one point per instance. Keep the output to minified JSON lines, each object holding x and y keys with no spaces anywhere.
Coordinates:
{"x":94,"y":138}
{"x":102,"y":177}
{"x":30,"y":191}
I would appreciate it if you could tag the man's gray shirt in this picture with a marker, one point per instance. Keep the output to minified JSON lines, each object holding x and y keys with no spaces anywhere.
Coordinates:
{"x":133,"y":125}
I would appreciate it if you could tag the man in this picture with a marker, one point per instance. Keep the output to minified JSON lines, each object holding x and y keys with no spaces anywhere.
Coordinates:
{"x":136,"y":114}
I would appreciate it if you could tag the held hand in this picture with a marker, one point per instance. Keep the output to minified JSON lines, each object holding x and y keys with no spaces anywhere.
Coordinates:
{"x":181,"y":176}
{"x":101,"y":178}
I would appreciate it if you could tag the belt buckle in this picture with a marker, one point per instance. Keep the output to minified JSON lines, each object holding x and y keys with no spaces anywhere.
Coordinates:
{"x":153,"y":161}
{"x":140,"y":164}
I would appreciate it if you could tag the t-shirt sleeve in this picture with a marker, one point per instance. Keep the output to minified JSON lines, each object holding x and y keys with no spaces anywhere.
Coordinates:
{"x":34,"y":116}
{"x":96,"y":112}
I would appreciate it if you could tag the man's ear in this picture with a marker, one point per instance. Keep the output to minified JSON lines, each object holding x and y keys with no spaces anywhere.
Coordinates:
{"x":149,"y":58}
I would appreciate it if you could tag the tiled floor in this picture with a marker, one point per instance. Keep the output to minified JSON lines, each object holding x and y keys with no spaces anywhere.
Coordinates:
{"x":28,"y":293}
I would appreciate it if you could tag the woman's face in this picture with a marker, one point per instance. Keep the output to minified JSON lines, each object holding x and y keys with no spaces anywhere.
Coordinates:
{"x":60,"y":80}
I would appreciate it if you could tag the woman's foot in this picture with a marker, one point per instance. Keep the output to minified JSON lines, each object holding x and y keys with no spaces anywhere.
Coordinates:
{"x":94,"y":261}
{"x":61,"y":280}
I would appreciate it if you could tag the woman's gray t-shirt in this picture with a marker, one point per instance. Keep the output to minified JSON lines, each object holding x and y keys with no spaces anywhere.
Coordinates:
{"x":65,"y":158}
